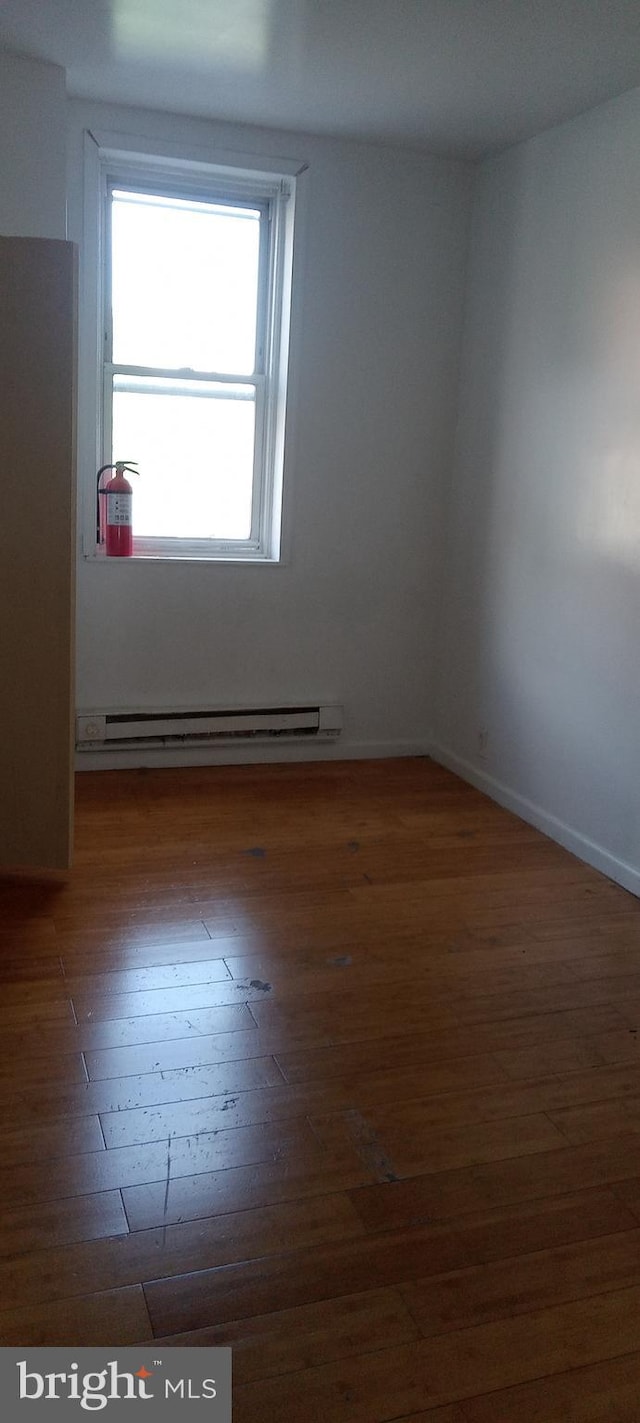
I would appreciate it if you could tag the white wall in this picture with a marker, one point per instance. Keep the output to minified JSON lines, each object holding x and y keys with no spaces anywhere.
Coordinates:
{"x":540,"y":660}
{"x":32,"y":148}
{"x":350,"y":617}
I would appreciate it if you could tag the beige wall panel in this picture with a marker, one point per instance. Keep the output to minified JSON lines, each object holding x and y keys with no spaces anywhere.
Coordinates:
{"x":37,"y":550}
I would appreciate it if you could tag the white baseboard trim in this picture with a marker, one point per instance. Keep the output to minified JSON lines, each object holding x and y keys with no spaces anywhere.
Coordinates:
{"x":593,"y":854}
{"x":248,"y":755}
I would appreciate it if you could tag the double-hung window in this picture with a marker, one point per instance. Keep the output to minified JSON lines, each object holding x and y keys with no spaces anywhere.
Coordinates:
{"x":196,"y":269}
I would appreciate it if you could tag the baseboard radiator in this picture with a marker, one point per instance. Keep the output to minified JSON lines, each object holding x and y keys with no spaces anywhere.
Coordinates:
{"x":111,"y":731}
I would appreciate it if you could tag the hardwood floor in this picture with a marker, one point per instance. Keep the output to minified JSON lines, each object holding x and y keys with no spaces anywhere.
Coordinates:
{"x":337,"y":1064}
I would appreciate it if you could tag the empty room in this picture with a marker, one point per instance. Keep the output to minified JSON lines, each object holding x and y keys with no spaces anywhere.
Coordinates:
{"x":320,"y":708}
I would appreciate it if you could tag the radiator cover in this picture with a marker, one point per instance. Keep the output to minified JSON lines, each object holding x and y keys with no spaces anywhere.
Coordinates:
{"x":113,"y":730}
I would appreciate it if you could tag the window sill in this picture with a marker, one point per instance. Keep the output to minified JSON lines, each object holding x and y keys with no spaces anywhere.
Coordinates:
{"x":199,"y":561}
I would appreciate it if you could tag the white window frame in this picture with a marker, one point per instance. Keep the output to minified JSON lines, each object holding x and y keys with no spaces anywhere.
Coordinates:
{"x":111,"y":162}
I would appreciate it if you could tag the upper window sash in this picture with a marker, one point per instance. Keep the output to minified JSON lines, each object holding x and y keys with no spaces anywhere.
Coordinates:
{"x":221,"y":198}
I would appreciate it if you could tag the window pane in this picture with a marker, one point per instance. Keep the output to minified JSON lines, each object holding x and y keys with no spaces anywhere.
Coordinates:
{"x":194,"y":443}
{"x":184,"y":284}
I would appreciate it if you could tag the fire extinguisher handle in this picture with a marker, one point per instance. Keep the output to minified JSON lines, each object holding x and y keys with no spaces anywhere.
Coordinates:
{"x":103,"y":469}
{"x":131,"y":465}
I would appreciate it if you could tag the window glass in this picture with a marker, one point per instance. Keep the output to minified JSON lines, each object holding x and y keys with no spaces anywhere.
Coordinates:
{"x":184,"y":283}
{"x":194,"y":443}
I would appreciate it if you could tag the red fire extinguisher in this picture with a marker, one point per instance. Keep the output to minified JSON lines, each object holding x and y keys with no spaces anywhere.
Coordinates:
{"x":115,"y":528}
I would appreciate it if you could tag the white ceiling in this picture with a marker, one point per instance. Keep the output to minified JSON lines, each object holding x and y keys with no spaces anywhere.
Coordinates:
{"x":456,"y":76}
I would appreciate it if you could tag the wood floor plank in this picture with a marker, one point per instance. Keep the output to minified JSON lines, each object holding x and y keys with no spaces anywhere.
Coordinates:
{"x":382,"y":1386}
{"x":304,"y":1061}
{"x":122,"y":1094}
{"x":288,"y":977}
{"x":400,"y":1057}
{"x":510,"y":944}
{"x":555,"y":901}
{"x":620,"y":1044}
{"x":29,"y":1228}
{"x":121,"y":1260}
{"x":306,"y":1172}
{"x":86,"y":935}
{"x":388,"y":1095}
{"x":38,"y":1068}
{"x":449,"y":1414}
{"x":176,"y":1055}
{"x":629,"y":1193}
{"x":303,"y":1053}
{"x":608,"y":1390}
{"x":22,"y":969}
{"x":43,"y":1141}
{"x":163,"y":1027}
{"x":501,"y":1289}
{"x":117,"y":1316}
{"x":84,"y":960}
{"x":162,"y":1001}
{"x":54,"y":1039}
{"x":34,"y":994}
{"x":198,"y":1050}
{"x":562,"y":1056}
{"x":289,"y":1281}
{"x":24,"y":933}
{"x":97,"y":1171}
{"x":289,"y":1340}
{"x":147,"y":978}
{"x":412,"y":1147}
{"x":618,"y":963}
{"x":615,"y":926}
{"x":352,"y":1014}
{"x":451,"y":1194}
{"x":18,"y":1012}
{"x":598,"y":1119}
{"x":280,"y":1102}
{"x":558,"y":997}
